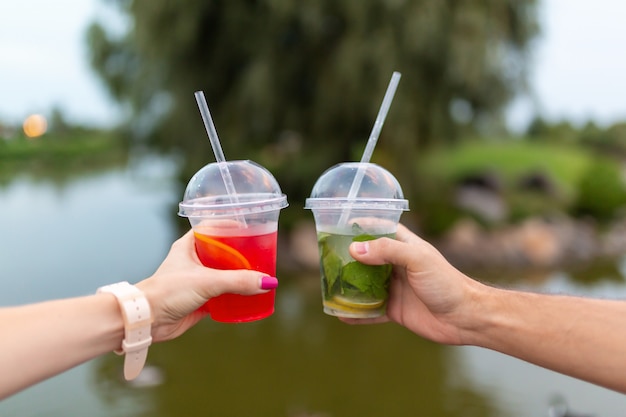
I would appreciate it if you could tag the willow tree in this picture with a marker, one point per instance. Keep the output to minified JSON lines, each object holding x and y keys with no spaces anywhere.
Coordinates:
{"x":296,"y":85}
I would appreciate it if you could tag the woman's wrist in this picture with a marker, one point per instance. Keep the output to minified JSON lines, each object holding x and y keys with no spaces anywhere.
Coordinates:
{"x":138,"y":319}
{"x":112,"y":322}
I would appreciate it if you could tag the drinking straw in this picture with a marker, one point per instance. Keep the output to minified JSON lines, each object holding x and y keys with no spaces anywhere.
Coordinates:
{"x":217,"y":150}
{"x":371,"y":142}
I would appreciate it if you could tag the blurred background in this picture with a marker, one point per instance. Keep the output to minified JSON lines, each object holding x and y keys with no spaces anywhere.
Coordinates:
{"x":507,"y":133}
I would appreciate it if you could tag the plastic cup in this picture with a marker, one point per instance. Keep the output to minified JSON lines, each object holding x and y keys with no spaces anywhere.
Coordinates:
{"x":235,"y":231}
{"x":350,"y":288}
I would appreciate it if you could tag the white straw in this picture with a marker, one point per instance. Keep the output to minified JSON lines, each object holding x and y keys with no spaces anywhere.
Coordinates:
{"x":217,"y":150}
{"x":371,"y":142}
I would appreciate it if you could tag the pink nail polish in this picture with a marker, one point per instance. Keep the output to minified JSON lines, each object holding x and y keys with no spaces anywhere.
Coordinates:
{"x":361,"y":247}
{"x":269,"y":283}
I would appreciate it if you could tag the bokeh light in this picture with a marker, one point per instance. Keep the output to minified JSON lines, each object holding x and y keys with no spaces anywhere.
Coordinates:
{"x":35,"y":125}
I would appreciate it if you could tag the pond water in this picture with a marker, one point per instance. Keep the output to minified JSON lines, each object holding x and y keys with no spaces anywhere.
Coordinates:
{"x":63,"y":239}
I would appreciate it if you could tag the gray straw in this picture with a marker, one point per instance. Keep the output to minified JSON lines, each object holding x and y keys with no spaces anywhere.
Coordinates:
{"x":371,"y":143}
{"x":217,"y":150}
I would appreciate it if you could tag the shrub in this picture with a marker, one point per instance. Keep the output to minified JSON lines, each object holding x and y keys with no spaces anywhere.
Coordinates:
{"x":601,"y":191}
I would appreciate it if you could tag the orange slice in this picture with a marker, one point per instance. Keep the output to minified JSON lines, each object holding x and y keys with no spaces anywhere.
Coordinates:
{"x":227,"y":255}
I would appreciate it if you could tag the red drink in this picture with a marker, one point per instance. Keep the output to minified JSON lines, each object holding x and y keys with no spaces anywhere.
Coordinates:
{"x":233,"y":209}
{"x":231,"y":250}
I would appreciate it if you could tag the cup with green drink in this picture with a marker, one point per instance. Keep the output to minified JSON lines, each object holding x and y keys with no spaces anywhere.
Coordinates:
{"x":350,"y":288}
{"x":352,"y":202}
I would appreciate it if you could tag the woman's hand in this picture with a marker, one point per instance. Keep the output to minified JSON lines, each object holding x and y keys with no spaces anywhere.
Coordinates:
{"x":181,"y":285}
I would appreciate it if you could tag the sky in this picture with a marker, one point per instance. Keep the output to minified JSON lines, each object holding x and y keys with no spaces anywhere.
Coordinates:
{"x":577,"y":67}
{"x":44,"y":61}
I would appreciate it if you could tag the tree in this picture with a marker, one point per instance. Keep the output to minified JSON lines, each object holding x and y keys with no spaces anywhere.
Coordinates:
{"x":297,"y":85}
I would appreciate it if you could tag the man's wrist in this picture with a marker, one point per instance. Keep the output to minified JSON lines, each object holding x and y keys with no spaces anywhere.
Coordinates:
{"x":481,"y":314}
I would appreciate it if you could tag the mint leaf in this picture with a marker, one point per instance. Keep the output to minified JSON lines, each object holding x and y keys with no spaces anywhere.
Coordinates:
{"x":356,"y":229}
{"x":363,"y":237}
{"x":322,"y":236}
{"x":371,"y":280}
{"x":331,"y":264}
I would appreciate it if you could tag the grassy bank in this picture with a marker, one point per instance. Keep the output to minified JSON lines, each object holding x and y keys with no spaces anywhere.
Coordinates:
{"x":509,"y":161}
{"x":61,"y":155}
{"x":80,"y":143}
{"x":575,"y":181}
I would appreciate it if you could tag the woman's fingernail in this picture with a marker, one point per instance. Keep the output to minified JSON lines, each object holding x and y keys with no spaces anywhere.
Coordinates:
{"x":269,"y":283}
{"x":361,"y":247}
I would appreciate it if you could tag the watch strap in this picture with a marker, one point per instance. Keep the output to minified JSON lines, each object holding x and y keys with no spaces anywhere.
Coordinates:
{"x":137,"y":326}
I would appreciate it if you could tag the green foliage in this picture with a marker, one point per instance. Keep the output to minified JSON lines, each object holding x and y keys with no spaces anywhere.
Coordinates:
{"x":310,"y":75}
{"x":565,"y":166}
{"x":62,"y":155}
{"x":601,"y":192}
{"x":610,"y":140}
{"x":437,"y":212}
{"x":74,"y":144}
{"x":561,"y":132}
{"x":510,"y":159}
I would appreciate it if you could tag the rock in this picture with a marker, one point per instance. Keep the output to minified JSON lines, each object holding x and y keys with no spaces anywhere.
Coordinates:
{"x":482,"y":194}
{"x":483,"y":202}
{"x":535,"y":243}
{"x":539,"y":182}
{"x":539,"y":243}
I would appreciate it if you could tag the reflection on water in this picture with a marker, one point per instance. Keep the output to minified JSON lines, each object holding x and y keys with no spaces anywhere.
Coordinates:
{"x":275,"y":367}
{"x":64,"y":240}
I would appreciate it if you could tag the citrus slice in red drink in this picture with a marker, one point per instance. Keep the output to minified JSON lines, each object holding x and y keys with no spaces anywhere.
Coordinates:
{"x":228,"y":257}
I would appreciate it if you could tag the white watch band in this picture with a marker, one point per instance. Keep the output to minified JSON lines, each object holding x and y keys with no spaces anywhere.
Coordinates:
{"x":137,"y":326}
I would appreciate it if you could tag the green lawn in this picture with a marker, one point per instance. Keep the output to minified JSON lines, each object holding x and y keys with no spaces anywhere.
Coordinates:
{"x":61,"y":156}
{"x":511,"y":160}
{"x":59,"y":146}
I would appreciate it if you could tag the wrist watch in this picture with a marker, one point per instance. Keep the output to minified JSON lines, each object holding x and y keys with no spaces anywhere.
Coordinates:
{"x":137,"y":326}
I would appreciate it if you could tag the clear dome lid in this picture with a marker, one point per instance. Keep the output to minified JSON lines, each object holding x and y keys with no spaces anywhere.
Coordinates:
{"x":256,"y":190}
{"x":378,"y":189}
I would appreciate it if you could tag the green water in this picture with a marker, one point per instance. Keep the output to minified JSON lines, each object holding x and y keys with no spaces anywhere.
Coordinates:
{"x":297,"y":363}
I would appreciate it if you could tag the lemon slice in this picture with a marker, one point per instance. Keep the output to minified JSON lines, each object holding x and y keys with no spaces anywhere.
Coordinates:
{"x":342,"y":301}
{"x":225,"y":253}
